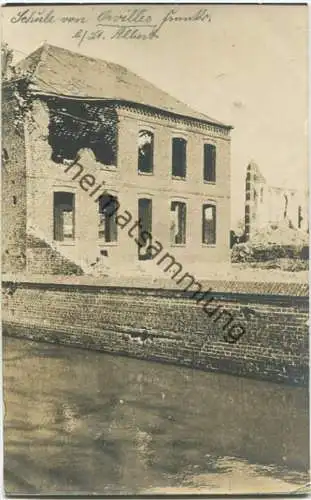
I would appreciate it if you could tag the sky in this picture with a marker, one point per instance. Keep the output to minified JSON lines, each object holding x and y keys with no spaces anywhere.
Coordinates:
{"x":246,"y":67}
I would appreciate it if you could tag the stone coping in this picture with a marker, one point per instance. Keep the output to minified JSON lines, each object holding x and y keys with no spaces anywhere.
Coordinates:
{"x":218,"y":286}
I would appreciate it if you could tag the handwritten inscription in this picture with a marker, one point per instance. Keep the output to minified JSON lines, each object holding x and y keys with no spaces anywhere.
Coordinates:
{"x":131,"y":24}
{"x":44,"y":17}
{"x":34,"y":16}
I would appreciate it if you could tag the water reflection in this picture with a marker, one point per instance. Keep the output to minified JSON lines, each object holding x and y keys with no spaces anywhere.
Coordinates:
{"x":86,"y":422}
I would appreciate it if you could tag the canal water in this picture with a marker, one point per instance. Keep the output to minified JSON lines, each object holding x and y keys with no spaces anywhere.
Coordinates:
{"x":78,"y":421}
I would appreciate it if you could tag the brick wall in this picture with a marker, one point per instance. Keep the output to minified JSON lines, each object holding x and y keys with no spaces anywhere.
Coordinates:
{"x":165,"y":325}
{"x":162,"y":188}
{"x":41,"y":259}
{"x":44,"y":176}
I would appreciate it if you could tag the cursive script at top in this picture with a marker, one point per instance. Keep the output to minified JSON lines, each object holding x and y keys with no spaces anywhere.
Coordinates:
{"x":135,"y":24}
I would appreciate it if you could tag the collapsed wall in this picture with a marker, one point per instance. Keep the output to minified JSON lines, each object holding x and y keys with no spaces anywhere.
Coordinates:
{"x":273,"y":207}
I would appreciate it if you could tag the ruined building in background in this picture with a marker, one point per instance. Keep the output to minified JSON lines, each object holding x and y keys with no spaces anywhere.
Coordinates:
{"x":267,"y":205}
{"x":83,"y":137}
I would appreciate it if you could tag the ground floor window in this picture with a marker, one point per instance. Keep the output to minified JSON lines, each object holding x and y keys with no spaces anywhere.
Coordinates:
{"x":145,"y":228}
{"x":108,"y":229}
{"x":209,"y":224}
{"x":178,"y":222}
{"x":64,"y":216}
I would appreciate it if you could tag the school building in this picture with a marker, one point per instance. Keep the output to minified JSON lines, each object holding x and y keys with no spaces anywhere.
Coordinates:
{"x":82,"y":136}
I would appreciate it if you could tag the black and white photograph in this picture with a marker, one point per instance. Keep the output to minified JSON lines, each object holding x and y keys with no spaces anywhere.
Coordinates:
{"x":155,"y":249}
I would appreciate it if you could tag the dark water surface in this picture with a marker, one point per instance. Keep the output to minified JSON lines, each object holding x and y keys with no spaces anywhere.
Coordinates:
{"x":78,"y":421}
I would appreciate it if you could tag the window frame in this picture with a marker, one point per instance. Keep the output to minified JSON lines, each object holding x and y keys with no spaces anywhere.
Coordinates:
{"x":213,"y":145}
{"x":151,"y":132}
{"x":64,"y":241}
{"x":184,"y":140}
{"x":142,"y":228}
{"x":184,"y":203}
{"x":205,"y":205}
{"x":102,"y":240}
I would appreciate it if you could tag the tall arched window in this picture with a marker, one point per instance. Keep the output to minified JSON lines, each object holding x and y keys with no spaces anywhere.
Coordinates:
{"x":179,"y":157}
{"x":145,"y":151}
{"x":108,"y":206}
{"x":209,"y":224}
{"x":64,"y":216}
{"x":209,"y":163}
{"x":178,"y":222}
{"x":145,"y":228}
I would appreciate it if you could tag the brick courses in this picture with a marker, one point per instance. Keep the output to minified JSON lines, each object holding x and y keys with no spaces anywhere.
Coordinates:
{"x":165,"y":325}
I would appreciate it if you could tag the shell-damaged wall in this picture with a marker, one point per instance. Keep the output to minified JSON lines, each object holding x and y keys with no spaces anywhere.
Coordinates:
{"x":59,"y":132}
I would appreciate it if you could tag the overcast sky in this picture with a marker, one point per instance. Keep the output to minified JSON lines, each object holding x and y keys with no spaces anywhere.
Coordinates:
{"x":247,"y":67}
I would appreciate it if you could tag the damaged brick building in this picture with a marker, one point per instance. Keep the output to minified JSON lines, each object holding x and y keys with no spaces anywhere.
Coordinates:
{"x":267,"y":205}
{"x":82,"y":134}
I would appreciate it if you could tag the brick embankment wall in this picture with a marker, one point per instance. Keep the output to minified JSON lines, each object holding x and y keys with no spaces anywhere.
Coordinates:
{"x":165,"y":325}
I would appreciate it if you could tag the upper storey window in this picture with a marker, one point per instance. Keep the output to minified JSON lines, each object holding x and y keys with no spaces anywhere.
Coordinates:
{"x":209,"y":163}
{"x":179,"y":157}
{"x":145,"y":151}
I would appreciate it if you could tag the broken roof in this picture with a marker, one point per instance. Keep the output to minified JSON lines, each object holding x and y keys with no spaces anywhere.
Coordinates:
{"x":61,"y":72}
{"x":256,"y":171}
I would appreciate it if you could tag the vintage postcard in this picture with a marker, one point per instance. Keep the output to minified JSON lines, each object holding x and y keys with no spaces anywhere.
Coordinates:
{"x":155,"y":249}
